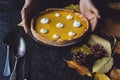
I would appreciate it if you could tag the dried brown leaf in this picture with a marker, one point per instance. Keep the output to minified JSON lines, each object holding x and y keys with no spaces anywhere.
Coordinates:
{"x":117,"y":47}
{"x":115,"y":5}
{"x":101,"y":76}
{"x":115,"y":74}
{"x":82,"y":70}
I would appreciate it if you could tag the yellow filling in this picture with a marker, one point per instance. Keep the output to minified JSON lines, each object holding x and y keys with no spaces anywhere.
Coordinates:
{"x":62,"y":32}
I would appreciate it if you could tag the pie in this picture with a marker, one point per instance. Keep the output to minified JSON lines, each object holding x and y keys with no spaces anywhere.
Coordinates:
{"x":59,"y":27}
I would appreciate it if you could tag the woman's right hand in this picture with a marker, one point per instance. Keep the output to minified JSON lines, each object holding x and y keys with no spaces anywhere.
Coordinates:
{"x":28,"y":11}
{"x":90,"y":12}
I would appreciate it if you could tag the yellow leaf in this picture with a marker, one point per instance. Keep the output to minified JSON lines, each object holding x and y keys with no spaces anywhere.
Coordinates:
{"x":101,"y":76}
{"x":82,"y":70}
{"x":73,"y":7}
{"x":83,"y":48}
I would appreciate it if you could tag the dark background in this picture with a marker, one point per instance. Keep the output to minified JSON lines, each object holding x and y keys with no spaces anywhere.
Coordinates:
{"x":46,"y":62}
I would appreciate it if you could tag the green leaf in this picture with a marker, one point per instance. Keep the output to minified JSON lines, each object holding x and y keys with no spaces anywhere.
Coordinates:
{"x":103,"y":65}
{"x":105,"y":43}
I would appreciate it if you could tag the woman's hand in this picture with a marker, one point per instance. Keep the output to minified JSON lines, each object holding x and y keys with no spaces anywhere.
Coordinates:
{"x":90,"y":12}
{"x":28,"y":11}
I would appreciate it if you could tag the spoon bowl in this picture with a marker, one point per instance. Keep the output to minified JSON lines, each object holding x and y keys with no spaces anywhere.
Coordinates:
{"x":19,"y":49}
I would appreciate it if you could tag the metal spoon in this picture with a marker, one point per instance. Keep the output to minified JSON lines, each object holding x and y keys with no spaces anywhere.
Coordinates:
{"x":7,"y":64}
{"x":19,"y":49}
{"x":7,"y":41}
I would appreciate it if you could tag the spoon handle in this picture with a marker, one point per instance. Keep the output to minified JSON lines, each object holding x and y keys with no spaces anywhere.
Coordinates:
{"x":7,"y":65}
{"x":13,"y":75}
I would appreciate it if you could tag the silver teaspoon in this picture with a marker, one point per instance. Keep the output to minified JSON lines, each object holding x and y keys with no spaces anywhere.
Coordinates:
{"x":7,"y":64}
{"x":7,"y":40}
{"x":19,"y":49}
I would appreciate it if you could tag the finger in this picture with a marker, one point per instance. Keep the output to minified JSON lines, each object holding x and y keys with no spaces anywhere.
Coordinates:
{"x":93,"y":23}
{"x":95,"y":11}
{"x":92,"y":20}
{"x":89,"y":15}
{"x":82,"y":9}
{"x":81,"y":6}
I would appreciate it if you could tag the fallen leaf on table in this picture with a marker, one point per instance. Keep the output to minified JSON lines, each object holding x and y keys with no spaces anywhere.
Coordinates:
{"x":83,"y":48}
{"x":110,"y":28}
{"x":117,"y":47}
{"x":103,"y":65}
{"x":73,"y":7}
{"x":101,"y":76}
{"x":115,"y":74}
{"x":82,"y":70}
{"x":105,"y":43}
{"x":115,"y":5}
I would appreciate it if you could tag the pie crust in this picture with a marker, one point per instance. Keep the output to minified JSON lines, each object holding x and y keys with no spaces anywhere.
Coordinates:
{"x":60,"y":30}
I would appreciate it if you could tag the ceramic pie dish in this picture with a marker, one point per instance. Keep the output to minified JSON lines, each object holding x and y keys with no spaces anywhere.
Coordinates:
{"x":59,"y":27}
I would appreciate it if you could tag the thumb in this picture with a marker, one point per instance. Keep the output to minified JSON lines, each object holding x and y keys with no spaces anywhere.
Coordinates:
{"x":24,"y":20}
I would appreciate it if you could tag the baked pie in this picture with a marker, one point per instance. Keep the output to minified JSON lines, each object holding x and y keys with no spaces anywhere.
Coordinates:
{"x":58,"y":27}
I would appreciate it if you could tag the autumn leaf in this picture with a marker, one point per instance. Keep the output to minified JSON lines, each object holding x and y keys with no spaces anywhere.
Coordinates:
{"x":105,"y":43}
{"x":117,"y":47}
{"x":115,"y":5}
{"x":101,"y":76}
{"x":103,"y":65}
{"x":115,"y":74}
{"x":73,"y":7}
{"x":82,"y":70}
{"x":83,"y":48}
{"x":110,"y":28}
